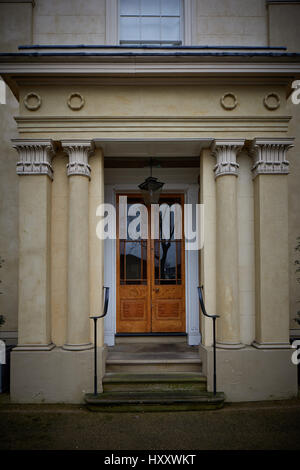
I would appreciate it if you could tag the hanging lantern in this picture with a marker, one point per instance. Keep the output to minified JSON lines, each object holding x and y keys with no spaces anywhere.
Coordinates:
{"x":151,"y":189}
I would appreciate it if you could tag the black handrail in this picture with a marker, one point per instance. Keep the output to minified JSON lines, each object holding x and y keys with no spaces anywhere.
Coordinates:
{"x":95,"y":318}
{"x":214,"y":317}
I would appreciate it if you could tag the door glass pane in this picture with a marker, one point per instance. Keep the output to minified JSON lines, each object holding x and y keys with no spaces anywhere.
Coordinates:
{"x":129,"y":29}
{"x":150,"y":7}
{"x":150,"y":29}
{"x":170,"y":28}
{"x":170,"y":219}
{"x":144,"y":261}
{"x":167,"y":260}
{"x":166,"y":263}
{"x":129,"y":7}
{"x":170,"y":7}
{"x":137,"y":224}
{"x":133,"y":261}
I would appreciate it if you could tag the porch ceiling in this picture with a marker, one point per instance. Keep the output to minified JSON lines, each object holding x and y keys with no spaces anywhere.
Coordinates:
{"x":159,"y":148}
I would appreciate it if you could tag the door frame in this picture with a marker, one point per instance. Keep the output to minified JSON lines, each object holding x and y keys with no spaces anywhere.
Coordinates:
{"x":190,"y":192}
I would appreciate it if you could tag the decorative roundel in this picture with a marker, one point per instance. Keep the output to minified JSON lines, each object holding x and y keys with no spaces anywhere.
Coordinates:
{"x":229,"y":101}
{"x":76,"y":101}
{"x":272,"y":101}
{"x":32,"y":101}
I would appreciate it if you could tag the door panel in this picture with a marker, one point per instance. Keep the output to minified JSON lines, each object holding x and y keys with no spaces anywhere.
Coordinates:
{"x":150,"y":278}
{"x":133,"y":281}
{"x":168,"y":289}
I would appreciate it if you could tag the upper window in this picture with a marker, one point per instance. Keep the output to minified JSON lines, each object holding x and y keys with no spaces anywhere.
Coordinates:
{"x":155,"y":22}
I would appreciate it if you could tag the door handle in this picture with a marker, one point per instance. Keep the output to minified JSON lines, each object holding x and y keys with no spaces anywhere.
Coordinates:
{"x":156,"y":290}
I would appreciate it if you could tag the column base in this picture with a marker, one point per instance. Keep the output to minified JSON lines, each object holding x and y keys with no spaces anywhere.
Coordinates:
{"x":251,"y":374}
{"x":229,"y":345}
{"x":55,"y":376}
{"x":34,"y":347}
{"x":78,"y":347}
{"x":257,"y":345}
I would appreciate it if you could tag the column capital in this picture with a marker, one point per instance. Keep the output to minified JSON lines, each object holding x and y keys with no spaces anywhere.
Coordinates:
{"x":269,"y":155}
{"x":225,"y":151}
{"x":35,"y":156}
{"x":78,"y":152}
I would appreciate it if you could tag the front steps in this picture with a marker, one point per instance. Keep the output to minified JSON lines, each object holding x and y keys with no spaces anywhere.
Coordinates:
{"x":170,"y":382}
{"x":153,"y":358}
{"x":167,"y":401}
{"x":154,"y":377}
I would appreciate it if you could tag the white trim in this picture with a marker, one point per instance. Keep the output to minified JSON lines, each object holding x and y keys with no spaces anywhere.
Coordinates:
{"x":188,"y":20}
{"x":110,"y":275}
{"x":192,"y":279}
{"x":191,"y":267}
{"x":181,"y":65}
{"x":111,"y":23}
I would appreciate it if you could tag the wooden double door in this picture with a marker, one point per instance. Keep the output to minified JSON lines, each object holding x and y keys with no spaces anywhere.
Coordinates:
{"x":151,"y":274}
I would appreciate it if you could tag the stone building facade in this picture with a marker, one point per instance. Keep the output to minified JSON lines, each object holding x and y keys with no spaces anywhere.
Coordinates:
{"x":93,"y":90}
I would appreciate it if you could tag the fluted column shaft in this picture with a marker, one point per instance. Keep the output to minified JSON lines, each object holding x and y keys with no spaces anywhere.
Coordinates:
{"x":226,"y":172}
{"x":78,"y":332}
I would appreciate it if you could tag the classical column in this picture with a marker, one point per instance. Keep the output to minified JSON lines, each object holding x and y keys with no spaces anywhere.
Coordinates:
{"x":78,"y":170}
{"x":35,"y":170}
{"x":271,"y":241}
{"x":226,"y":172}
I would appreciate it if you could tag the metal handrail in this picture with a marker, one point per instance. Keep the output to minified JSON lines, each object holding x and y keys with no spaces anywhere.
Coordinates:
{"x":214,"y":317}
{"x":95,"y":318}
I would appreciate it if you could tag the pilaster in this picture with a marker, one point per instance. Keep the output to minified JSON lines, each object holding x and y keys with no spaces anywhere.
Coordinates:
{"x":270,"y":168}
{"x":35,"y":170}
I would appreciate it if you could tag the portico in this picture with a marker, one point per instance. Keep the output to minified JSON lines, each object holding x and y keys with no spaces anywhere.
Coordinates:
{"x":217,"y":145}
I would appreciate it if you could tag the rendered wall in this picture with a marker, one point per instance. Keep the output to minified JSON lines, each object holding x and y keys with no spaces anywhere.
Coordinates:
{"x":230,"y":22}
{"x":284,"y":30}
{"x":69,"y":22}
{"x":15,"y":29}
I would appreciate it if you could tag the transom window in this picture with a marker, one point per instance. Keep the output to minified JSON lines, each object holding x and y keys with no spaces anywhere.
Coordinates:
{"x":150,"y":22}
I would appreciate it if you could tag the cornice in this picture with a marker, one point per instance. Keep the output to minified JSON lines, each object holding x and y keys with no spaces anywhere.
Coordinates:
{"x":61,"y":124}
{"x":179,"y":65}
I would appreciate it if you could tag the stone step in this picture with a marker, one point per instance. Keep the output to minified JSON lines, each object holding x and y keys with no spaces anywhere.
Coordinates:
{"x":147,"y":365}
{"x":156,"y":358}
{"x":154,"y":401}
{"x":146,"y":339}
{"x":123,"y":382}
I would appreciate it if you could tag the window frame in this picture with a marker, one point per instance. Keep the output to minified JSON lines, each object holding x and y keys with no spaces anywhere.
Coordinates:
{"x":140,"y":42}
{"x":188,"y":9}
